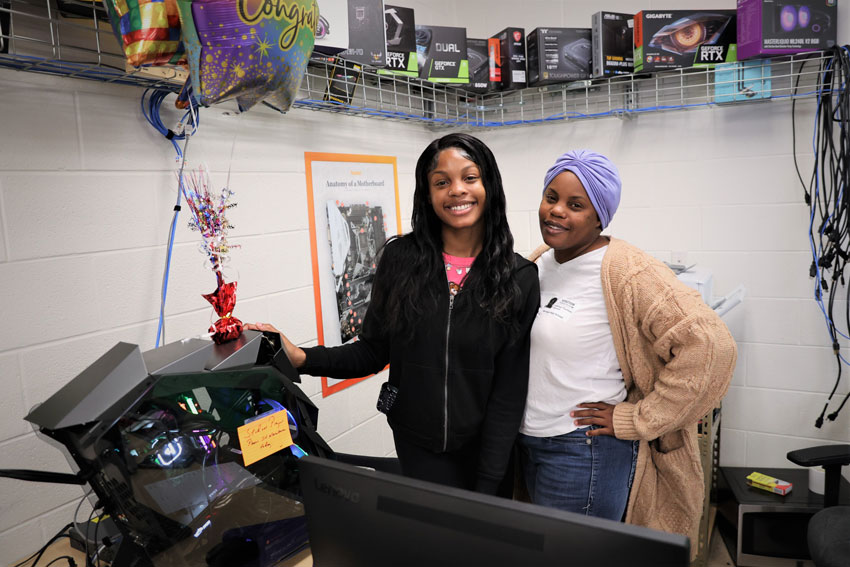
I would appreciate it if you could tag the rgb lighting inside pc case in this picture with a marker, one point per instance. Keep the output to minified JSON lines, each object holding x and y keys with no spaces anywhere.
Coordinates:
{"x":155,"y":434}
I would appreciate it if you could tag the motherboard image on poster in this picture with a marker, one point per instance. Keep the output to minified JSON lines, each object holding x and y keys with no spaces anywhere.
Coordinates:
{"x":356,"y":233}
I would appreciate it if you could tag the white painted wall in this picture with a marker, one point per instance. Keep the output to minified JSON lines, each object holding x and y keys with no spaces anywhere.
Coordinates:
{"x":86,"y":191}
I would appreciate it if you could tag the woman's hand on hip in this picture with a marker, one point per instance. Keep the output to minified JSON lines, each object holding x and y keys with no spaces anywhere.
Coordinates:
{"x":599,"y":414}
{"x":296,"y":355}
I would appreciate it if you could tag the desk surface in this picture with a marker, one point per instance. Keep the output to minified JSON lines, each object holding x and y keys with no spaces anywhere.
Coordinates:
{"x":63,"y":547}
{"x":800,"y":495}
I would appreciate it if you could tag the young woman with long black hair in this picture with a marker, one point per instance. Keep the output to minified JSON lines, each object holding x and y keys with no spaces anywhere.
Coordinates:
{"x":451,"y":309}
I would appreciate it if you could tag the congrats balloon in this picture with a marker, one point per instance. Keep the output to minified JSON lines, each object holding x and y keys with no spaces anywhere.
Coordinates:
{"x":250,"y":50}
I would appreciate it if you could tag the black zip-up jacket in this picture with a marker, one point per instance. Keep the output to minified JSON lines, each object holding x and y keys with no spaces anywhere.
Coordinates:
{"x":462,"y":377}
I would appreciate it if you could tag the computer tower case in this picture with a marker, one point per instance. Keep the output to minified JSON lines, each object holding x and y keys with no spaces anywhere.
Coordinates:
{"x":160,"y":437}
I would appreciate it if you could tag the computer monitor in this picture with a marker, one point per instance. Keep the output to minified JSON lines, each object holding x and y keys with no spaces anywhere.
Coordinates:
{"x":357,"y":517}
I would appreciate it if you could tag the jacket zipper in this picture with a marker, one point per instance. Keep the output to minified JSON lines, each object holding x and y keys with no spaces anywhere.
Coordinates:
{"x":446,"y":378}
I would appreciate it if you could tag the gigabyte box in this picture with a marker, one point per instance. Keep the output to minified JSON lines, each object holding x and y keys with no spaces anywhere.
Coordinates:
{"x":367,"y":33}
{"x":441,"y":52}
{"x":507,"y":59}
{"x":401,"y":41}
{"x":773,"y":27}
{"x":479,"y":65}
{"x":558,"y":55}
{"x":613,"y":49}
{"x":332,"y":31}
{"x":682,"y":38}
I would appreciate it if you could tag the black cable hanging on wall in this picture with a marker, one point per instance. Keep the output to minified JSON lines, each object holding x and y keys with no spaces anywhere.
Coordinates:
{"x":829,"y":203}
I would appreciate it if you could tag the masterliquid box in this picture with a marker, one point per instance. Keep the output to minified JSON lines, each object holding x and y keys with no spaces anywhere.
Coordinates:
{"x":367,"y":36}
{"x":613,"y":49}
{"x":558,"y":55}
{"x":671,"y":39}
{"x":441,"y":53}
{"x":771,"y":27}
{"x":401,"y":41}
{"x":506,"y":51}
{"x":479,"y":65}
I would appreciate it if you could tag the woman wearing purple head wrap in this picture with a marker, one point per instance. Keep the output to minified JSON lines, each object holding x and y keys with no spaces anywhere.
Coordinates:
{"x":625,"y":359}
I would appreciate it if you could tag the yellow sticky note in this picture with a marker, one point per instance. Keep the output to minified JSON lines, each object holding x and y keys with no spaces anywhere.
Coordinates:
{"x":264,"y":437}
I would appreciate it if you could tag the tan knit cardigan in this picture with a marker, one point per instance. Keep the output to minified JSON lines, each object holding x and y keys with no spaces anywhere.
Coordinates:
{"x":677,"y":358}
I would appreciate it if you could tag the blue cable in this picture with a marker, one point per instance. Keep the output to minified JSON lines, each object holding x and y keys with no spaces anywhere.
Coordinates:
{"x":168,"y":261}
{"x":817,"y":249}
{"x":151,"y":102}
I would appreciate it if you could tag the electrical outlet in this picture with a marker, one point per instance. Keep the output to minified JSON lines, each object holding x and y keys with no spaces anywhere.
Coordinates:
{"x":679,"y":257}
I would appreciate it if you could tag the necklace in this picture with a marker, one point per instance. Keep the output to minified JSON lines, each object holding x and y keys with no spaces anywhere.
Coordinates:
{"x":460,"y":270}
{"x":457,"y":264}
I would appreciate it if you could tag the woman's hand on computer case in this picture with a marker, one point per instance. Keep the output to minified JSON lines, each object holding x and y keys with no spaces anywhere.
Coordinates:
{"x":296,"y":355}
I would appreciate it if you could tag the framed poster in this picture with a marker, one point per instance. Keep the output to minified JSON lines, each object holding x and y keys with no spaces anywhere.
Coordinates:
{"x":353,"y":206}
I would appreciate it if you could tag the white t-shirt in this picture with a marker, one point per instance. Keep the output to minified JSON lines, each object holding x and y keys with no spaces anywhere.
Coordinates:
{"x":573,"y":359}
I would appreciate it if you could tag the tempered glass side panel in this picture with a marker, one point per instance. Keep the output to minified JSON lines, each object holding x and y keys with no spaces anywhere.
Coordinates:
{"x":173,"y":471}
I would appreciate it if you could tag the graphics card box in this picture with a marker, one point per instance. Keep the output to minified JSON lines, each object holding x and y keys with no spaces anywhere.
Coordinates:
{"x":367,"y":34}
{"x":332,"y":31}
{"x":744,"y":80}
{"x":558,"y":55}
{"x":671,"y":39}
{"x":401,"y":41}
{"x":773,"y":27}
{"x":613,"y":50}
{"x":441,"y":53}
{"x":342,"y":83}
{"x":506,"y":52}
{"x":479,"y":65}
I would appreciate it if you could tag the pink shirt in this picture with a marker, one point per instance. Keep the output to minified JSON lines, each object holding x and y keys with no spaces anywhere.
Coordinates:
{"x":456,"y":270}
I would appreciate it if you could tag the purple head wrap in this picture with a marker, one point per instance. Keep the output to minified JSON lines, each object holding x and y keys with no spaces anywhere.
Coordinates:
{"x":598,"y":176}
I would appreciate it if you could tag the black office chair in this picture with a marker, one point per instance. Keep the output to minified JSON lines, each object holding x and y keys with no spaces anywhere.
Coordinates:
{"x":829,"y":530}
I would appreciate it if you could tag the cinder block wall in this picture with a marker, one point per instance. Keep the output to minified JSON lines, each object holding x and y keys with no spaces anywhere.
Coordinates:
{"x":87,"y":188}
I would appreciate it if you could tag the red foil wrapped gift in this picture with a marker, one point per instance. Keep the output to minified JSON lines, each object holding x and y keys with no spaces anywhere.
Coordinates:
{"x":223,"y":300}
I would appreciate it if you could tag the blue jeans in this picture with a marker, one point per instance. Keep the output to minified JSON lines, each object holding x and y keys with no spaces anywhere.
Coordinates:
{"x":577,"y":473}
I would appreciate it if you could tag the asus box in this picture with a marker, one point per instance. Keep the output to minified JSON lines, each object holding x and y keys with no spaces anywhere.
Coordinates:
{"x":613,"y":49}
{"x":558,"y":55}
{"x":401,"y":41}
{"x":367,"y":36}
{"x":441,"y":52}
{"x":671,"y":39}
{"x":507,"y":59}
{"x":771,"y":27}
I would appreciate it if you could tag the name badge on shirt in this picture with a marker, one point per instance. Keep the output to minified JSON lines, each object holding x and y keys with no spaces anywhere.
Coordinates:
{"x":560,"y":308}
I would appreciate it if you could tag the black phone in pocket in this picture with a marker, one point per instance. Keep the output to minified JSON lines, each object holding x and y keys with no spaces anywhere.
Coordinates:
{"x":387,"y":397}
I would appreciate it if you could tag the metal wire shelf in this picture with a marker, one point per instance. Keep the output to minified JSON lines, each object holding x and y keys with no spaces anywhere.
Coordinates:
{"x":40,"y":38}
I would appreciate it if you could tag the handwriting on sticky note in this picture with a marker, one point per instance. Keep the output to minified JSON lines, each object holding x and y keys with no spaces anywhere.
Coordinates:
{"x":264,"y":437}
